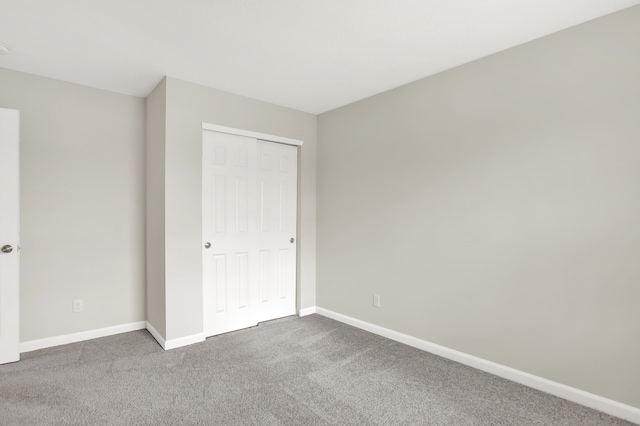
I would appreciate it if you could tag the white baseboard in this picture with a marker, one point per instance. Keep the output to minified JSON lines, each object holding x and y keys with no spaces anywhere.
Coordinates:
{"x":175,"y":343}
{"x":569,"y":393}
{"x":33,"y":345}
{"x":307,"y":311}
{"x":155,"y":334}
{"x":184,"y":341}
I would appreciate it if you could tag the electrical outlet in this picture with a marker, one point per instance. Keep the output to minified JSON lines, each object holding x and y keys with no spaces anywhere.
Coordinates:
{"x":78,"y":306}
{"x":376,"y":300}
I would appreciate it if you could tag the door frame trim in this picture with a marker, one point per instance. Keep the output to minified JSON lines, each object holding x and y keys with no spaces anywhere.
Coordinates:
{"x":249,"y":133}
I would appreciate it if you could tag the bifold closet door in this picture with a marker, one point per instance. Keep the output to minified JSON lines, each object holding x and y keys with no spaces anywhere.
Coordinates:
{"x":249,"y":228}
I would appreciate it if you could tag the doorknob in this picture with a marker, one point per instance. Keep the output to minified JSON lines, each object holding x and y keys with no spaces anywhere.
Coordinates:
{"x":291,"y":240}
{"x":6,"y":248}
{"x":207,"y":245}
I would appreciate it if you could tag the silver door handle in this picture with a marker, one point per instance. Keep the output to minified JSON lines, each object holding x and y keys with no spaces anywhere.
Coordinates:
{"x":6,"y":248}
{"x":292,"y":240}
{"x":207,"y":245}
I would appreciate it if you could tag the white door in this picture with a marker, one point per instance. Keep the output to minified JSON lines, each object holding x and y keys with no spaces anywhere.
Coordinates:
{"x":9,"y":235}
{"x":249,"y":204}
{"x":277,"y":211}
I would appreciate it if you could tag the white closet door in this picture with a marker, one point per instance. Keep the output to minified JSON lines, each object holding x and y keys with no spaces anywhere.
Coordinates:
{"x":277,"y":208}
{"x":9,"y":236}
{"x":248,"y":270}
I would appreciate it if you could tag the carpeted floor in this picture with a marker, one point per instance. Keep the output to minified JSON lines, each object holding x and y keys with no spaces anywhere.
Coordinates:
{"x":294,"y":371}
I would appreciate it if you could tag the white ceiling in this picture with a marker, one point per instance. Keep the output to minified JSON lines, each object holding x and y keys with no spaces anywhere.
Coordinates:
{"x":311,"y":55}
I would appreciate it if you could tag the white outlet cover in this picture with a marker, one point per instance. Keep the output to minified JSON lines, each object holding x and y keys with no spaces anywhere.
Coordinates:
{"x":376,"y":300}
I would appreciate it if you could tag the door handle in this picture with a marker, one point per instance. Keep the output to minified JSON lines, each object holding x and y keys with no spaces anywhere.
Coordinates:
{"x":207,"y":245}
{"x":6,"y":248}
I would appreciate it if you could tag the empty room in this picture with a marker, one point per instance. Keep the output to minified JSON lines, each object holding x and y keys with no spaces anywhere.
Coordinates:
{"x":287,"y":212}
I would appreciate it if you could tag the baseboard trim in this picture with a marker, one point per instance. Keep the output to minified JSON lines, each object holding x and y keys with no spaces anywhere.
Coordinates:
{"x":175,"y":343}
{"x":569,"y":393}
{"x":155,"y":334}
{"x":34,"y":345}
{"x":306,"y":311}
{"x":184,"y":341}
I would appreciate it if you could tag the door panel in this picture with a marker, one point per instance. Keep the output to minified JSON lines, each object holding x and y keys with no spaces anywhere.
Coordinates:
{"x":228,"y":167}
{"x":278,"y":174}
{"x":246,"y":214}
{"x":9,"y":236}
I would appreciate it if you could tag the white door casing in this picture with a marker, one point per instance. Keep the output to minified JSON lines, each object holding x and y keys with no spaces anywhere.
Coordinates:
{"x":249,"y":201}
{"x":9,"y":235}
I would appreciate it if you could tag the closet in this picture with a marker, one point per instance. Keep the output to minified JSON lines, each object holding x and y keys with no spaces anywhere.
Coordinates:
{"x":249,"y":212}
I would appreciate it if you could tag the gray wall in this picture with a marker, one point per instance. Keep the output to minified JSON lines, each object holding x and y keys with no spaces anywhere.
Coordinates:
{"x":82,"y":205}
{"x":495,"y":207}
{"x":188,"y":105}
{"x":156,"y":112}
{"x":84,"y":170}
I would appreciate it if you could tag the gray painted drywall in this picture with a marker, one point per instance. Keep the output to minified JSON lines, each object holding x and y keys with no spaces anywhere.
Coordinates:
{"x":156,"y":111}
{"x":188,"y":105}
{"x":495,"y":207}
{"x":82,"y":205}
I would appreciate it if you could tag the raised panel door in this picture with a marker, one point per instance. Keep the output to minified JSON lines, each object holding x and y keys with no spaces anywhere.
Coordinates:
{"x":9,"y":236}
{"x":249,"y":248}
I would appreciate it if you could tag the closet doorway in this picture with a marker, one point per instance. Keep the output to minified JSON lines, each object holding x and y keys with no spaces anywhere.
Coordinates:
{"x":249,"y":216}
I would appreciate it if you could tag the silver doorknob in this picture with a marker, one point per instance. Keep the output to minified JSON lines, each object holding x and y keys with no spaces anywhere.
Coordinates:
{"x":291,"y":240}
{"x":207,"y":245}
{"x":6,"y":249}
